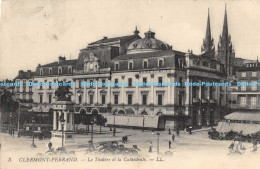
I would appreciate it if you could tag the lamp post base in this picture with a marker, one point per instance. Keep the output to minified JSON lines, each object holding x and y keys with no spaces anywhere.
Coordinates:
{"x":33,"y":146}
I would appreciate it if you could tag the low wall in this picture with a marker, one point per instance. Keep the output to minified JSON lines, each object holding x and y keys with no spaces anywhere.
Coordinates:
{"x":133,"y":121}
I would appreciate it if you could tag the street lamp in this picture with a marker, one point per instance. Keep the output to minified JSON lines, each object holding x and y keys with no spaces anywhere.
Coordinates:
{"x":92,"y":132}
{"x":33,"y":121}
{"x":10,"y":123}
{"x":158,"y":135}
{"x":114,"y":131}
{"x":62,"y":130}
{"x":143,"y":124}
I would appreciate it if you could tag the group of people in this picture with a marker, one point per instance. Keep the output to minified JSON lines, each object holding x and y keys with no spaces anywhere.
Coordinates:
{"x":237,"y":144}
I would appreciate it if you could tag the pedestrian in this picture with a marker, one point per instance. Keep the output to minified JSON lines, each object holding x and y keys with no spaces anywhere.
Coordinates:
{"x":170,"y":144}
{"x":18,"y":135}
{"x":177,"y":131}
{"x":254,"y":141}
{"x":13,"y":133}
{"x":169,"y":131}
{"x":173,"y":137}
{"x":231,"y":148}
{"x":151,"y":147}
{"x":50,"y":145}
{"x":190,"y":128}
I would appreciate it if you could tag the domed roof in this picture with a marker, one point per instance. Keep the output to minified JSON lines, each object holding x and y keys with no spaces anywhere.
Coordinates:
{"x":148,"y":44}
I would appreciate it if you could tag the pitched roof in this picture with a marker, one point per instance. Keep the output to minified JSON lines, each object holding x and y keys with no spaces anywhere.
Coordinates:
{"x":25,"y":75}
{"x":148,"y":54}
{"x":248,"y":116}
{"x":107,"y":40}
{"x":66,"y":62}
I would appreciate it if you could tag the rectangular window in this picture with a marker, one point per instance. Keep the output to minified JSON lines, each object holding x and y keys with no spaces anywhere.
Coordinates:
{"x":91,"y":99}
{"x":180,"y":100}
{"x":254,"y":86}
{"x":243,"y":101}
{"x":254,"y":74}
{"x":40,"y":98}
{"x":181,"y":81}
{"x":80,"y":99}
{"x":30,"y":88}
{"x":130,"y":99}
{"x":79,"y":83}
{"x":160,"y":81}
{"x":116,"y":82}
{"x":144,"y":80}
{"x":160,"y":96}
{"x":243,"y":74}
{"x":49,"y":86}
{"x":243,"y":88}
{"x":129,"y":82}
{"x":103,"y":99}
{"x":253,"y":102}
{"x":30,"y":97}
{"x":144,"y":99}
{"x":24,"y":88}
{"x":40,"y":87}
{"x":50,"y":98}
{"x":103,"y":82}
{"x":18,"y":88}
{"x":116,"y":99}
{"x":91,"y":83}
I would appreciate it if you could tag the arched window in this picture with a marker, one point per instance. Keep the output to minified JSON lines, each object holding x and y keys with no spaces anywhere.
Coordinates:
{"x":70,"y":70}
{"x":145,"y":63}
{"x":159,"y":113}
{"x":130,"y":65}
{"x":160,"y":62}
{"x":116,"y":66}
{"x":50,"y":71}
{"x":60,"y":70}
{"x":41,"y":72}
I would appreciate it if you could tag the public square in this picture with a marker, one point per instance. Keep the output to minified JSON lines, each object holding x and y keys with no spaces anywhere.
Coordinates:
{"x":186,"y":149}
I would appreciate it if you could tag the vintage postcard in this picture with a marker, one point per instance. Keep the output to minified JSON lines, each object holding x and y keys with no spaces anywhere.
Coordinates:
{"x":121,"y":84}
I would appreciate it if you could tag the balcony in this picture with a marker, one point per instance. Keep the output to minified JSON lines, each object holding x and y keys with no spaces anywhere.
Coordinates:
{"x":204,"y":101}
{"x":212,"y":101}
{"x":196,"y":100}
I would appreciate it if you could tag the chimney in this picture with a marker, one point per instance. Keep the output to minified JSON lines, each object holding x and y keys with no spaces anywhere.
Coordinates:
{"x":105,"y":37}
{"x":20,"y":72}
{"x":61,"y":59}
{"x":29,"y":73}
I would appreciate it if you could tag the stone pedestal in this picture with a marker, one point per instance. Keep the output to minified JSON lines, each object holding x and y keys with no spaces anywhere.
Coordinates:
{"x":64,"y":109}
{"x":56,"y":138}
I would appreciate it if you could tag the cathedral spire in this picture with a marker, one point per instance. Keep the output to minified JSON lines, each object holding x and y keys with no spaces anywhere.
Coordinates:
{"x":225,"y":25}
{"x":208,"y":42}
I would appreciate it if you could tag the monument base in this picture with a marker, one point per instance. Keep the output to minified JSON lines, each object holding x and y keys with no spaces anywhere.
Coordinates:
{"x":56,"y":138}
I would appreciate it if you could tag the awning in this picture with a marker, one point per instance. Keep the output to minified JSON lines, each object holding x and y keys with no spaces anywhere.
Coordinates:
{"x":244,"y":116}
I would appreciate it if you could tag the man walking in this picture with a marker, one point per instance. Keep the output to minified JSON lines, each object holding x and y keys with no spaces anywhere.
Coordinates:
{"x":170,"y":144}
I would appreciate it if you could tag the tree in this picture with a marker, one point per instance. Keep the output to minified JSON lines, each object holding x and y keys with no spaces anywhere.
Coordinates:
{"x":100,"y":120}
{"x":8,"y":107}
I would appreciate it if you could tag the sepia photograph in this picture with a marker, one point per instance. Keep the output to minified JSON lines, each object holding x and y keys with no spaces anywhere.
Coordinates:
{"x":123,"y":84}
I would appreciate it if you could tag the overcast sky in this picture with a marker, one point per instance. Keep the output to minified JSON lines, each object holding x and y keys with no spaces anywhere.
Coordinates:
{"x":38,"y":31}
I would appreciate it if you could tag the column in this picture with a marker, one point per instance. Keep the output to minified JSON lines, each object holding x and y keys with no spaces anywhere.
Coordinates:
{"x":188,"y":97}
{"x":59,"y":128}
{"x":54,"y":120}
{"x":96,"y":91}
{"x":200,"y":93}
{"x":84,"y":92}
{"x":65,"y":120}
{"x":109,"y":91}
{"x":74,"y":92}
{"x":152,"y":91}
{"x":71,"y":121}
{"x":169,"y":90}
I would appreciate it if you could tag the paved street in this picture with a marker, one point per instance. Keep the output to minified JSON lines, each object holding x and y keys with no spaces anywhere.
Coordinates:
{"x":185,"y":147}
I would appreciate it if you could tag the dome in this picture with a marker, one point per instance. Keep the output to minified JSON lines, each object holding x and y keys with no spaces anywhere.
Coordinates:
{"x":148,"y":44}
